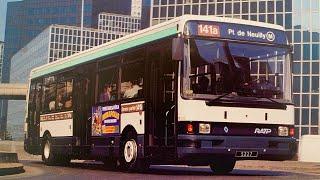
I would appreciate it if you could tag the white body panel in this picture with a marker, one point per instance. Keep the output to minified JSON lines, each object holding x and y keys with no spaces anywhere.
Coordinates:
{"x":57,"y":128}
{"x":197,"y":110}
{"x":135,"y":118}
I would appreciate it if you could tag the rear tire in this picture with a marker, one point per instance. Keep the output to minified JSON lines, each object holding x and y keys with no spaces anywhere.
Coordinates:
{"x":48,"y":156}
{"x":129,"y":159}
{"x":223,"y":166}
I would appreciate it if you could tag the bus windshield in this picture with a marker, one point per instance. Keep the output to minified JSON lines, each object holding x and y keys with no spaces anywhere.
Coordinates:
{"x":224,"y":69}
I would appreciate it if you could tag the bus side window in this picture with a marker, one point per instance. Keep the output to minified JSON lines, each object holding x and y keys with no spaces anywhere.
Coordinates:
{"x":37,"y":97}
{"x":69,"y":88}
{"x":108,"y":85}
{"x":32,"y":92}
{"x":49,"y":95}
{"x":61,"y":95}
{"x":64,"y":95}
{"x":31,"y":100}
{"x":132,"y":80}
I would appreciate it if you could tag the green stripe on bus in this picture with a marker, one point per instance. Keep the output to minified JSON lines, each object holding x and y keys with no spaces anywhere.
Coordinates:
{"x":105,"y":52}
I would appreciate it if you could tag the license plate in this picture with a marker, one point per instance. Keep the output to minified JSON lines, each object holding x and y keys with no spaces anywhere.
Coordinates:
{"x":246,"y":154}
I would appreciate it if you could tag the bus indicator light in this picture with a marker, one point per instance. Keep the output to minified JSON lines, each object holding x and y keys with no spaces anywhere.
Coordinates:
{"x":291,"y":132}
{"x":204,"y":128}
{"x":189,"y":128}
{"x":283,"y":131}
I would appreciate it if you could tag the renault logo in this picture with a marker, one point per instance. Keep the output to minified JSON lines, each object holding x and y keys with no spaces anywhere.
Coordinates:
{"x":226,"y":130}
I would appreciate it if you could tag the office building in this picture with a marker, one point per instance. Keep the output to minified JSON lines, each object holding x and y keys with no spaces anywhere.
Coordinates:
{"x":122,"y":24}
{"x":301,"y":20}
{"x":145,"y":13}
{"x":136,"y":8}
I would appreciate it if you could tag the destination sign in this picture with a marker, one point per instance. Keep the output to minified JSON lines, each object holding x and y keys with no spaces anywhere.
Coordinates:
{"x":236,"y":32}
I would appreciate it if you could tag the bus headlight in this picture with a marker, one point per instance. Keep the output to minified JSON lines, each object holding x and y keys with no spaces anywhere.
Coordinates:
{"x":283,"y":131}
{"x":204,"y":128}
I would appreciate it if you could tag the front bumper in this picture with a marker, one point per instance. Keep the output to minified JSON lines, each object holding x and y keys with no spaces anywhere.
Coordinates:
{"x":207,"y":147}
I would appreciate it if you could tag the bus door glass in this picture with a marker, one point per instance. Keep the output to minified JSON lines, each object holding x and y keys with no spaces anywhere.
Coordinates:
{"x":162,"y":94}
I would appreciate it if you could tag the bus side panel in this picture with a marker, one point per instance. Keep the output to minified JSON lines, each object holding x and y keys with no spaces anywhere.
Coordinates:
{"x":57,"y":128}
{"x":105,"y":147}
{"x":132,"y":114}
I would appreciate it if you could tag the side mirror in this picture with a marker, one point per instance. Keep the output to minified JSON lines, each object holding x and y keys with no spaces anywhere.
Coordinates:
{"x":177,"y":49}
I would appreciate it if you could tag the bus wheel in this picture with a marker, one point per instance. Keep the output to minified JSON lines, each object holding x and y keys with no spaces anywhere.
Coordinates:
{"x":47,"y":153}
{"x":130,"y":154}
{"x":223,"y":166}
{"x":129,"y":159}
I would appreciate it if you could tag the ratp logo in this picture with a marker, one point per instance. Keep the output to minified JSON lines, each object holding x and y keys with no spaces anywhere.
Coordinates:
{"x":262,"y":131}
{"x":271,"y":36}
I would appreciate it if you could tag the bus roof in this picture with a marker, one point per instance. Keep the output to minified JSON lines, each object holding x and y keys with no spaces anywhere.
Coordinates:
{"x":159,"y":31}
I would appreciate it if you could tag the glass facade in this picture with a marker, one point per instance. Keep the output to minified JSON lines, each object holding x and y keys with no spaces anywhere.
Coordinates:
{"x":136,"y":6}
{"x":145,"y":13}
{"x":301,"y":20}
{"x":121,"y":24}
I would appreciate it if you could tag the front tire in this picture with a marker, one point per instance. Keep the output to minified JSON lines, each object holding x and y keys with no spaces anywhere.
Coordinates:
{"x":223,"y":166}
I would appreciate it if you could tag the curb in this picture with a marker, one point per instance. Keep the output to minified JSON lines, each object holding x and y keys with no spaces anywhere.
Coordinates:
{"x":15,"y":168}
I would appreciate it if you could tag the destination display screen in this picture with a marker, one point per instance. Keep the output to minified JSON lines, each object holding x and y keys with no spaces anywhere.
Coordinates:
{"x":236,"y":32}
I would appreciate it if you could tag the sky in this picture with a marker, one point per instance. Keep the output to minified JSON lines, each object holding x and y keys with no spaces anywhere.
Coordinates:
{"x":3,"y":11}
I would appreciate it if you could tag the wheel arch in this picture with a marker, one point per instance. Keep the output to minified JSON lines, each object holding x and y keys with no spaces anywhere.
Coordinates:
{"x":126,"y":130}
{"x":46,"y":134}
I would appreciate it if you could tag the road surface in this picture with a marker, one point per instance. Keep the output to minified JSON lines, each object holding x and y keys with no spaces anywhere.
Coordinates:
{"x":35,"y":169}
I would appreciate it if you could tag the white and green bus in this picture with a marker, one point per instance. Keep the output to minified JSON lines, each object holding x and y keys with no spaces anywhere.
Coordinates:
{"x":196,"y":90}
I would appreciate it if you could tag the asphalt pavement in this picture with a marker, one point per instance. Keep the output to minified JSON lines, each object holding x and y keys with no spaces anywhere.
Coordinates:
{"x":35,"y":169}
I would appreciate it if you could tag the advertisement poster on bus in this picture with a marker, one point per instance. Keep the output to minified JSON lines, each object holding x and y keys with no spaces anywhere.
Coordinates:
{"x":96,"y":121}
{"x":105,"y":120}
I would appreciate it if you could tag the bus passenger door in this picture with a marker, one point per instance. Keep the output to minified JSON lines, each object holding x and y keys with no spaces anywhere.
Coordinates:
{"x":80,"y":114}
{"x":83,"y":101}
{"x":160,"y":97}
{"x":169,"y":84}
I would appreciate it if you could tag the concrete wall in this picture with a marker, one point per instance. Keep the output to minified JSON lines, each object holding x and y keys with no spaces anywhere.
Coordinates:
{"x":309,"y":148}
{"x":17,"y":147}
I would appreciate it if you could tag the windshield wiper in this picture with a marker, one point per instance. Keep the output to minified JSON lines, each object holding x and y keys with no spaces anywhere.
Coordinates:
{"x":276,"y":102}
{"x":279,"y":104}
{"x":217,"y":98}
